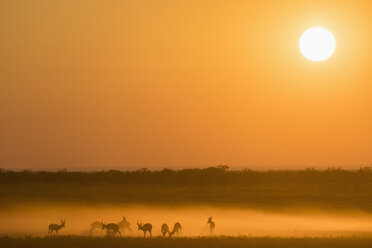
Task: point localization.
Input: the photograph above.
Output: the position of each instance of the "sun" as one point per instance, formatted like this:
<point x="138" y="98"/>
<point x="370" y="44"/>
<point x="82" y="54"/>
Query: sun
<point x="317" y="44"/>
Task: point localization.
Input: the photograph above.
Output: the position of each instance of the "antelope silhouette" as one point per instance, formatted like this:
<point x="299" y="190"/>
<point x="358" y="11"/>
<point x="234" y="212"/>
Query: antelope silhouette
<point x="111" y="227"/>
<point x="95" y="225"/>
<point x="211" y="224"/>
<point x="177" y="230"/>
<point x="165" y="229"/>
<point x="145" y="228"/>
<point x="56" y="227"/>
<point x="124" y="224"/>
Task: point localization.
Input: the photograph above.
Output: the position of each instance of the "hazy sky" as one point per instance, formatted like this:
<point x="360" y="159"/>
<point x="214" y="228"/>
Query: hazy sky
<point x="87" y="84"/>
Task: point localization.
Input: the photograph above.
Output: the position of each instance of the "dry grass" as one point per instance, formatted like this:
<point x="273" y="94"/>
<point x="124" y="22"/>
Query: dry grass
<point x="251" y="242"/>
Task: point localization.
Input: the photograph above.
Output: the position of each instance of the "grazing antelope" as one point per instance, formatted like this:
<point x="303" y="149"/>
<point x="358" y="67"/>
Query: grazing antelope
<point x="56" y="227"/>
<point x="177" y="230"/>
<point x="111" y="227"/>
<point x="95" y="225"/>
<point x="211" y="224"/>
<point x="165" y="229"/>
<point x="124" y="224"/>
<point x="145" y="228"/>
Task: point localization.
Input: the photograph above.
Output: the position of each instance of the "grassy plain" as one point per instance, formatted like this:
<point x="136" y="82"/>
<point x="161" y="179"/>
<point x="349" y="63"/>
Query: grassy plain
<point x="333" y="189"/>
<point x="251" y="242"/>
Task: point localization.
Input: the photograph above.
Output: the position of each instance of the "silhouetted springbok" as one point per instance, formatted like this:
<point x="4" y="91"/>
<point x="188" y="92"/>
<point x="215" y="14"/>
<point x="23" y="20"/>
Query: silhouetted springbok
<point x="95" y="225"/>
<point x="211" y="224"/>
<point x="177" y="230"/>
<point x="56" y="227"/>
<point x="111" y="227"/>
<point x="165" y="229"/>
<point x="124" y="224"/>
<point x="145" y="228"/>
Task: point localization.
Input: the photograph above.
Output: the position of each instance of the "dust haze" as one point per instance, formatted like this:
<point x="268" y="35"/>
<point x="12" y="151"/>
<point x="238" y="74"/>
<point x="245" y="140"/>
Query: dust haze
<point x="33" y="220"/>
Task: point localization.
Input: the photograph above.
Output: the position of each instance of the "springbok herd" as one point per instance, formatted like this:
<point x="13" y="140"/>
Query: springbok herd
<point x="113" y="229"/>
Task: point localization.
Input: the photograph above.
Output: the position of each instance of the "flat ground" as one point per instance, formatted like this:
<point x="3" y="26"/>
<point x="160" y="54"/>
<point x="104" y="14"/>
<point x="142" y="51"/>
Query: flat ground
<point x="251" y="242"/>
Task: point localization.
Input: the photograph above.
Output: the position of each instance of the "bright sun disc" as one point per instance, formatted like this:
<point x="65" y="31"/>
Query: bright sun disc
<point x="317" y="44"/>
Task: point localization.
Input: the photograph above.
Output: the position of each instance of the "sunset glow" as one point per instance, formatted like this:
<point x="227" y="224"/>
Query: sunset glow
<point x="185" y="123"/>
<point x="132" y="84"/>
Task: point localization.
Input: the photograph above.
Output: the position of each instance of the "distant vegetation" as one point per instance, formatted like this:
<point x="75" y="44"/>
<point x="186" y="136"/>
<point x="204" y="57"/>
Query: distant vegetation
<point x="333" y="187"/>
<point x="212" y="176"/>
<point x="251" y="242"/>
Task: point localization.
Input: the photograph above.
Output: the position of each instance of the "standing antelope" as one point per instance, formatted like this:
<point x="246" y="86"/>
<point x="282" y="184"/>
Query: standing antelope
<point x="165" y="229"/>
<point x="211" y="224"/>
<point x="56" y="227"/>
<point x="124" y="224"/>
<point x="145" y="228"/>
<point x="111" y="227"/>
<point x="177" y="229"/>
<point x="95" y="225"/>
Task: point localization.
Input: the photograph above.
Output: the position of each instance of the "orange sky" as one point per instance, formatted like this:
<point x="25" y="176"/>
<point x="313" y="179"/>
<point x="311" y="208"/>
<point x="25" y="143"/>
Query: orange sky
<point x="108" y="84"/>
